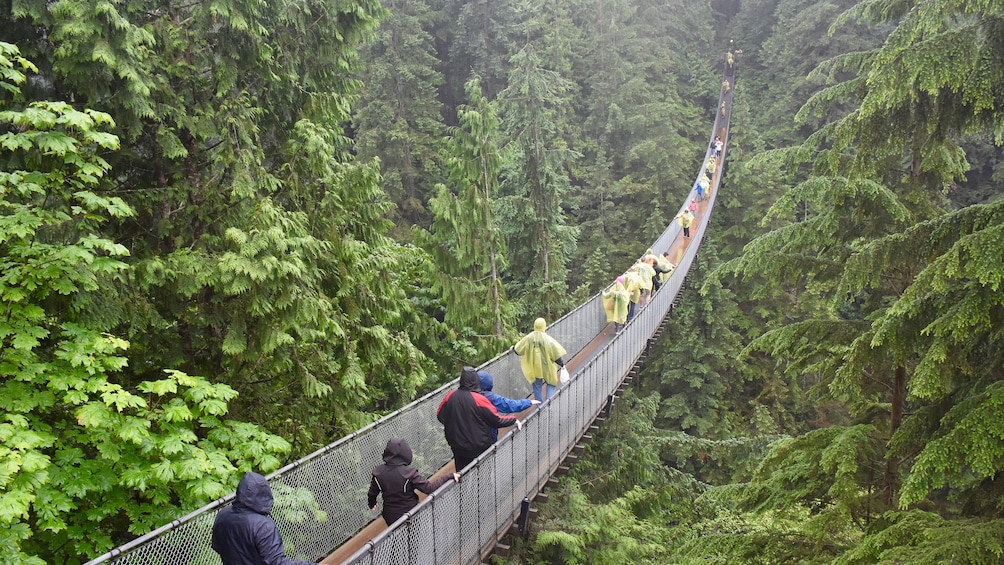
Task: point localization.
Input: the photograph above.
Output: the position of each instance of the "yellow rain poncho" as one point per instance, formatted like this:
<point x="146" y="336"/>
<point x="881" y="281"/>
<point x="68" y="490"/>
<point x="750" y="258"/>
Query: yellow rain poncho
<point x="686" y="218"/>
<point x="632" y="283"/>
<point x="665" y="266"/>
<point x="538" y="353"/>
<point x="705" y="182"/>
<point x="646" y="273"/>
<point x="615" y="302"/>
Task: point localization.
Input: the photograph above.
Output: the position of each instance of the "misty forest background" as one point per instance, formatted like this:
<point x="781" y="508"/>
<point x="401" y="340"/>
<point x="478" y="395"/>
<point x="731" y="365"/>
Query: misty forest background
<point x="235" y="231"/>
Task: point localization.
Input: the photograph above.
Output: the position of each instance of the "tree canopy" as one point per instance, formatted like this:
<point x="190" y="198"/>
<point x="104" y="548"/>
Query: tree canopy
<point x="232" y="233"/>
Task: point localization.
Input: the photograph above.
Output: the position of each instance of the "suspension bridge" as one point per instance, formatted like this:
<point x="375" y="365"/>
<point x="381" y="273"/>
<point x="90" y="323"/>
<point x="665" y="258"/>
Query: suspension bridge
<point x="320" y="500"/>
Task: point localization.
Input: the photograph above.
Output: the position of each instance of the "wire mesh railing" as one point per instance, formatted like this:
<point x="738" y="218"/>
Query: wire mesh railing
<point x="320" y="500"/>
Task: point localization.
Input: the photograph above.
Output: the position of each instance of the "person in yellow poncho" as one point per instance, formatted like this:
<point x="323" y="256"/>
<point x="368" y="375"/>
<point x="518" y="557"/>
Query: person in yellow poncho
<point x="615" y="303"/>
<point x="665" y="267"/>
<point x="685" y="218"/>
<point x="541" y="356"/>
<point x="645" y="273"/>
<point x="702" y="187"/>
<point x="660" y="268"/>
<point x="632" y="283"/>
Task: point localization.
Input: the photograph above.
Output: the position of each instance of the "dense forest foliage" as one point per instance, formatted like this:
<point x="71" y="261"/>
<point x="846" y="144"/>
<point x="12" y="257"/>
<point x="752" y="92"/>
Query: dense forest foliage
<point x="233" y="232"/>
<point x="829" y="390"/>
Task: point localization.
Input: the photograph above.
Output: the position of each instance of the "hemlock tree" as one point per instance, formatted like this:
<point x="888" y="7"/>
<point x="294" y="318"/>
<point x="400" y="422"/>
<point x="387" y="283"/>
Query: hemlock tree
<point x="640" y="125"/>
<point x="481" y="41"/>
<point x="531" y="214"/>
<point x="89" y="456"/>
<point x="398" y="117"/>
<point x="465" y="242"/>
<point x="913" y="339"/>
<point x="258" y="241"/>
<point x="694" y="367"/>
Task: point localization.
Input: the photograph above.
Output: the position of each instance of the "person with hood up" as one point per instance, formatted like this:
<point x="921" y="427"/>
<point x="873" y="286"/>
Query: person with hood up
<point x="615" y="303"/>
<point x="646" y="272"/>
<point x="702" y="187"/>
<point x="398" y="481"/>
<point x="661" y="268"/>
<point x="665" y="267"/>
<point x="632" y="283"/>
<point x="502" y="404"/>
<point x="686" y="218"/>
<point x="244" y="534"/>
<point x="468" y="418"/>
<point x="540" y="358"/>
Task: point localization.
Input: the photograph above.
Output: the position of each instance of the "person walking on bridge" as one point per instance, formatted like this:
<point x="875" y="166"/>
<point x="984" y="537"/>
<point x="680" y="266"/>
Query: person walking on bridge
<point x="244" y="534"/>
<point x="541" y="356"/>
<point x="646" y="272"/>
<point x="398" y="481"/>
<point x="661" y="269"/>
<point x="468" y="418"/>
<point x="615" y="303"/>
<point x="501" y="403"/>
<point x="686" y="218"/>
<point x="702" y="187"/>
<point x="632" y="283"/>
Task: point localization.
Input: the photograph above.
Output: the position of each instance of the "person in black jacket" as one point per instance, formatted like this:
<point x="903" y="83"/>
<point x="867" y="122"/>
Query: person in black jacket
<point x="398" y="482"/>
<point x="468" y="418"/>
<point x="243" y="533"/>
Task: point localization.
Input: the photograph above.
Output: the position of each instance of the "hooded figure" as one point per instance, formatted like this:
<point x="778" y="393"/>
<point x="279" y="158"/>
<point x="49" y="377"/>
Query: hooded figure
<point x="702" y="186"/>
<point x="685" y="218"/>
<point x="468" y="418"/>
<point x="502" y="404"/>
<point x="398" y="482"/>
<point x="661" y="268"/>
<point x="646" y="272"/>
<point x="665" y="267"/>
<point x="541" y="356"/>
<point x="243" y="533"/>
<point x="615" y="302"/>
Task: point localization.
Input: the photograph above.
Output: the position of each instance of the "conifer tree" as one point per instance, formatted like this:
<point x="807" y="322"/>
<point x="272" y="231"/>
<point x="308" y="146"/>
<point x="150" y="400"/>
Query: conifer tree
<point x="398" y="117"/>
<point x="465" y="242"/>
<point x="535" y="187"/>
<point x="912" y="290"/>
<point x="481" y="41"/>
<point x="254" y="225"/>
<point x="695" y="366"/>
<point x="639" y="132"/>
<point x="89" y="457"/>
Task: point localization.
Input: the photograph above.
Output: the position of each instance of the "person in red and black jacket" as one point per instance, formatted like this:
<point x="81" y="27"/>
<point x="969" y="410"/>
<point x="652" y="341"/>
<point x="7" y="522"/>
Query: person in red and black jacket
<point x="468" y="418"/>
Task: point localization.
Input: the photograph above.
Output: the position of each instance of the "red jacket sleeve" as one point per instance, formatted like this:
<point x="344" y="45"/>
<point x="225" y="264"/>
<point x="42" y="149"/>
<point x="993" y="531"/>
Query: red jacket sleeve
<point x="490" y="414"/>
<point x="442" y="402"/>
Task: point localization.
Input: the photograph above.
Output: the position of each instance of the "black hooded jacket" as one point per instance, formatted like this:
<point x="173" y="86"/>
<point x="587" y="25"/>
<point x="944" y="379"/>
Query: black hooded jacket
<point x="468" y="417"/>
<point x="398" y="482"/>
<point x="243" y="533"/>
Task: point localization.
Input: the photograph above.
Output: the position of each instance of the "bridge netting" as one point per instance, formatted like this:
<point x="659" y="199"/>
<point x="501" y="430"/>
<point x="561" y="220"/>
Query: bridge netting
<point x="321" y="499"/>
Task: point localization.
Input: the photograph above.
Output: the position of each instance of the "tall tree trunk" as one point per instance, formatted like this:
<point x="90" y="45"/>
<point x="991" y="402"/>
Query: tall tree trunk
<point x="497" y="307"/>
<point x="891" y="480"/>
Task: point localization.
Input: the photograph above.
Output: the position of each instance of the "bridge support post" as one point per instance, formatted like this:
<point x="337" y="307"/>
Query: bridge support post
<point x="524" y="516"/>
<point x="606" y="409"/>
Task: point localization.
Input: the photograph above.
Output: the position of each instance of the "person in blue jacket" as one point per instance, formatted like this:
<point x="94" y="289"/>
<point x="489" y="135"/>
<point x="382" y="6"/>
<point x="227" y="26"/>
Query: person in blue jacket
<point x="502" y="404"/>
<point x="244" y="534"/>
